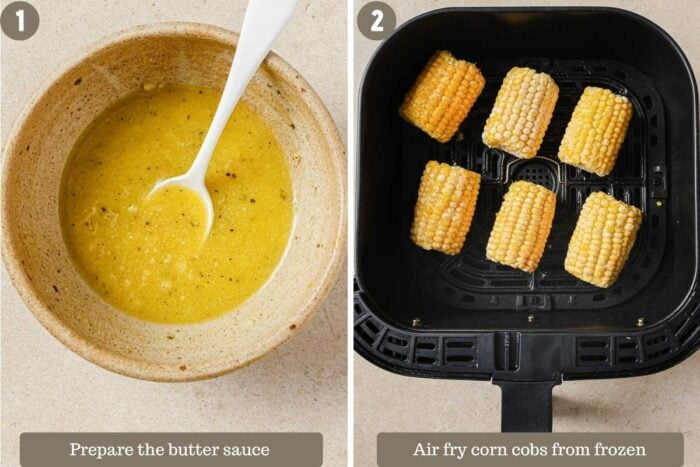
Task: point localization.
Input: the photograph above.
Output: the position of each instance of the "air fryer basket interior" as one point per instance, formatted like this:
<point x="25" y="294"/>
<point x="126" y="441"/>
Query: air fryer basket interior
<point x="656" y="171"/>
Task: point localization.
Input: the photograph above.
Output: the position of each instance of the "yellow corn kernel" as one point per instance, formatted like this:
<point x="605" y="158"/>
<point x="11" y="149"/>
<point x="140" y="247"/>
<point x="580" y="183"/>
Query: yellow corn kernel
<point x="602" y="240"/>
<point x="522" y="112"/>
<point x="595" y="133"/>
<point x="442" y="95"/>
<point x="445" y="207"/>
<point x="522" y="226"/>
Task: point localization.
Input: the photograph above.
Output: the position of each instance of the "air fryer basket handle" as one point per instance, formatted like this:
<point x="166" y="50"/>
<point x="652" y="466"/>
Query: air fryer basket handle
<point x="526" y="406"/>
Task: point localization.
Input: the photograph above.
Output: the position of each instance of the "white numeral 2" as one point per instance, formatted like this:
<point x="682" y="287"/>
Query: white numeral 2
<point x="377" y="25"/>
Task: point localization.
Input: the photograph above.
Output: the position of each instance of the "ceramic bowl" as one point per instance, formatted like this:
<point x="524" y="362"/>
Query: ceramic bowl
<point x="35" y="254"/>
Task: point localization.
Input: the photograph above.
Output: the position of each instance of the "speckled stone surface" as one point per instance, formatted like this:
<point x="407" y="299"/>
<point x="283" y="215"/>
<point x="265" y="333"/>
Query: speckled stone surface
<point x="45" y="387"/>
<point x="666" y="401"/>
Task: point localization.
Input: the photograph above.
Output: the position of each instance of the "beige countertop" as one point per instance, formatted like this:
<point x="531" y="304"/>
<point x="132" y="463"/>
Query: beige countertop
<point x="666" y="401"/>
<point x="299" y="387"/>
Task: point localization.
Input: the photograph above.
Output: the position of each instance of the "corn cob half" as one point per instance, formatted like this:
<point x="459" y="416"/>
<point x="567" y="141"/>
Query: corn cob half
<point x="445" y="207"/>
<point x="522" y="226"/>
<point x="522" y="112"/>
<point x="442" y="95"/>
<point x="595" y="133"/>
<point x="602" y="240"/>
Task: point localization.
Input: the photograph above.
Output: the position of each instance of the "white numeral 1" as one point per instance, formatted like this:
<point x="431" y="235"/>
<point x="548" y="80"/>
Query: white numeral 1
<point x="377" y="25"/>
<point x="20" y="15"/>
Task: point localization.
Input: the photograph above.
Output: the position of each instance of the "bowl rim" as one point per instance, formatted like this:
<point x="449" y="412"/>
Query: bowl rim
<point x="112" y="360"/>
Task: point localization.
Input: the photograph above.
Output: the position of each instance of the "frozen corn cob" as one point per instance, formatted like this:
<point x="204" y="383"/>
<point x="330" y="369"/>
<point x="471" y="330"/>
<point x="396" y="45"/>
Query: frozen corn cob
<point x="522" y="226"/>
<point x="522" y="112"/>
<point x="596" y="131"/>
<point x="442" y="95"/>
<point x="445" y="207"/>
<point x="602" y="240"/>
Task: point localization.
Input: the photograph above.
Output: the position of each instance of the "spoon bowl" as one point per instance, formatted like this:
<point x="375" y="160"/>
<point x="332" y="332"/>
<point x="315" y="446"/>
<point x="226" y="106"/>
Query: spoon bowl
<point x="196" y="185"/>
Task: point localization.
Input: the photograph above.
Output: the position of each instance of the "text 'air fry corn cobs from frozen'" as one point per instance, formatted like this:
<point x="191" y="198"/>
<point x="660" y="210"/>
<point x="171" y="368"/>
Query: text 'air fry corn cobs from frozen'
<point x="522" y="112"/>
<point x="602" y="240"/>
<point x="442" y="95"/>
<point x="595" y="133"/>
<point x="522" y="226"/>
<point x="445" y="207"/>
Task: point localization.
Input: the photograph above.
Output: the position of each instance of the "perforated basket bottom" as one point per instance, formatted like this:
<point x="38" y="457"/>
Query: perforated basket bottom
<point x="639" y="178"/>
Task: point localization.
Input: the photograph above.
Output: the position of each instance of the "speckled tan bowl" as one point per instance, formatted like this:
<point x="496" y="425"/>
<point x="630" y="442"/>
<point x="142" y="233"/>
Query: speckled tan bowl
<point x="36" y="256"/>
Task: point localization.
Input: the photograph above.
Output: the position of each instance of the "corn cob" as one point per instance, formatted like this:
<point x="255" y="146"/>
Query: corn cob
<point x="602" y="240"/>
<point x="522" y="112"/>
<point x="596" y="131"/>
<point x="442" y="95"/>
<point x="445" y="207"/>
<point x="522" y="226"/>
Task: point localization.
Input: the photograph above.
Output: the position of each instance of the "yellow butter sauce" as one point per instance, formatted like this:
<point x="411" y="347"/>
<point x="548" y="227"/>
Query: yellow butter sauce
<point x="145" y="255"/>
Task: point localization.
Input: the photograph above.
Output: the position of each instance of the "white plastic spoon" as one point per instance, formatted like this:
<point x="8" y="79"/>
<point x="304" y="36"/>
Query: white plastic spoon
<point x="263" y="22"/>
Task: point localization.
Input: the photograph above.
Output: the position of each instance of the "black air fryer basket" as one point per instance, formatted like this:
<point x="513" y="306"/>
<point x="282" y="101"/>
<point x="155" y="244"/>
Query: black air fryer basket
<point x="422" y="313"/>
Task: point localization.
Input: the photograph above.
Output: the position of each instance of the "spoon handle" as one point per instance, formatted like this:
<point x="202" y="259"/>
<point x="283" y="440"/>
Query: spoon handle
<point x="263" y="22"/>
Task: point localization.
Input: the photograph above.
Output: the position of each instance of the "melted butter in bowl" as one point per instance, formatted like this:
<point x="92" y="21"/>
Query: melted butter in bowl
<point x="284" y="149"/>
<point x="145" y="255"/>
